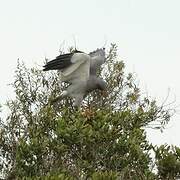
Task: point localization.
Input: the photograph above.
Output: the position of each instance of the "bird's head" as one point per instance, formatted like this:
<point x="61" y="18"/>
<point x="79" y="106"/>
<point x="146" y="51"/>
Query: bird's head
<point x="98" y="55"/>
<point x="98" y="52"/>
<point x="101" y="52"/>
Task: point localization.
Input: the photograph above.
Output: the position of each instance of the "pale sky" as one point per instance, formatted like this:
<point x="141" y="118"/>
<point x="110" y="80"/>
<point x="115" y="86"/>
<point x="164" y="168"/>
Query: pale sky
<point x="147" y="33"/>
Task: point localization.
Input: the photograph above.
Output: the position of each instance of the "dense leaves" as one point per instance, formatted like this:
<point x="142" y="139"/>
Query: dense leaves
<point x="105" y="139"/>
<point x="168" y="161"/>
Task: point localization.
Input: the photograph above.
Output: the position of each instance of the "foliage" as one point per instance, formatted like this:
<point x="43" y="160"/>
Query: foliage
<point x="168" y="161"/>
<point x="105" y="139"/>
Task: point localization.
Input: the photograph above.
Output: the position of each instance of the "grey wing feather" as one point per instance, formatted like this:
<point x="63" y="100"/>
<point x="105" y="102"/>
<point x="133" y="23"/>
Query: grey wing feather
<point x="79" y="70"/>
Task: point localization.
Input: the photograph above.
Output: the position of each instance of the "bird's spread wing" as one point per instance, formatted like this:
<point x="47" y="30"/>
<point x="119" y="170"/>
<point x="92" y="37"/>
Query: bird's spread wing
<point x="73" y="66"/>
<point x="60" y="62"/>
<point x="79" y="68"/>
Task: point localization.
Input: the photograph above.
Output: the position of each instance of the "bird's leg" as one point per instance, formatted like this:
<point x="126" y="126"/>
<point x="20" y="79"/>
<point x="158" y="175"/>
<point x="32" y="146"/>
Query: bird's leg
<point x="64" y="94"/>
<point x="78" y="100"/>
<point x="58" y="98"/>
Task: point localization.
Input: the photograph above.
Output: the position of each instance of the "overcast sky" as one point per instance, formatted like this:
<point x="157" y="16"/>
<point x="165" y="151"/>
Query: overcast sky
<point x="147" y="33"/>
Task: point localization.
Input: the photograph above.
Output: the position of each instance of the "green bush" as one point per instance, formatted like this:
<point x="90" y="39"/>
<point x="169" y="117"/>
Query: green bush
<point x="105" y="139"/>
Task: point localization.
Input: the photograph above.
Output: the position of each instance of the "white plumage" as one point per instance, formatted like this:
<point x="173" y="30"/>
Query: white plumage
<point x="79" y="70"/>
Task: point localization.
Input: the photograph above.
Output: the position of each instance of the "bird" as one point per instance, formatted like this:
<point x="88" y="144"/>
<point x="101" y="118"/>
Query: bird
<point x="79" y="69"/>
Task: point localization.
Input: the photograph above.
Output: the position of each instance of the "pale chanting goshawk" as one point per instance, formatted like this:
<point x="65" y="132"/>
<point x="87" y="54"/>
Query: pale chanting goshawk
<point x="80" y="71"/>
